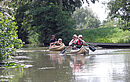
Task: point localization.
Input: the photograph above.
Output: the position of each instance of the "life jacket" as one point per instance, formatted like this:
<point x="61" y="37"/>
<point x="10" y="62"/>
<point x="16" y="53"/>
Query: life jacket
<point x="79" y="43"/>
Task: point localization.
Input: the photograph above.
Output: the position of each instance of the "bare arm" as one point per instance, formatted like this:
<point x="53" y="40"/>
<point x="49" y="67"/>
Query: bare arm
<point x="70" y="43"/>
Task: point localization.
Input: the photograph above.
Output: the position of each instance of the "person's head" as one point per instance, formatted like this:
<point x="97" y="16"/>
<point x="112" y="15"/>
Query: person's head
<point x="74" y="36"/>
<point x="80" y="36"/>
<point x="60" y="40"/>
<point x="52" y="36"/>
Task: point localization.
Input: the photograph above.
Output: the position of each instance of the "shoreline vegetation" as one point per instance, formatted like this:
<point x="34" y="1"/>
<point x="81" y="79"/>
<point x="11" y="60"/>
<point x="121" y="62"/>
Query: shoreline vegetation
<point x="106" y="35"/>
<point x="102" y="35"/>
<point x="9" y="41"/>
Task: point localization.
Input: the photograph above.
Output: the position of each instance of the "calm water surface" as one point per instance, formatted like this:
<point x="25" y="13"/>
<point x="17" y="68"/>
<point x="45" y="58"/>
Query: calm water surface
<point x="104" y="65"/>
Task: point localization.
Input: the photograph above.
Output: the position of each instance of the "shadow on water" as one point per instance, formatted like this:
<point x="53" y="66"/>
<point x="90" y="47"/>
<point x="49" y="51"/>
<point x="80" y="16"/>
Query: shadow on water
<point x="40" y="65"/>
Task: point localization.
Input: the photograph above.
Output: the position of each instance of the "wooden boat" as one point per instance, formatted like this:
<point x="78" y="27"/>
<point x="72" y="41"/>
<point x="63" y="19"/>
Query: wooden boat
<point x="82" y="50"/>
<point x="57" y="48"/>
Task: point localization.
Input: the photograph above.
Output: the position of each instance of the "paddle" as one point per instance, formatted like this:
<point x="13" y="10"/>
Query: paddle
<point x="91" y="47"/>
<point x="63" y="51"/>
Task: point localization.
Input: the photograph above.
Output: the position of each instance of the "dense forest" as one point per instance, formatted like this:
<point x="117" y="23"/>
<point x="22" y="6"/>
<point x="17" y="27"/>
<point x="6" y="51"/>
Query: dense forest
<point x="34" y="21"/>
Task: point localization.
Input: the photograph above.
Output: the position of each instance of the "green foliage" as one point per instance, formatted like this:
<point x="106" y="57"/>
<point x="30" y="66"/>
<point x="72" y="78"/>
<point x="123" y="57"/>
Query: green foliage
<point x="110" y="23"/>
<point x="85" y="18"/>
<point x="38" y="22"/>
<point x="120" y="9"/>
<point x="48" y="20"/>
<point x="91" y="22"/>
<point x="64" y="5"/>
<point x="69" y="5"/>
<point x="13" y="65"/>
<point x="8" y="36"/>
<point x="38" y="19"/>
<point x="106" y="35"/>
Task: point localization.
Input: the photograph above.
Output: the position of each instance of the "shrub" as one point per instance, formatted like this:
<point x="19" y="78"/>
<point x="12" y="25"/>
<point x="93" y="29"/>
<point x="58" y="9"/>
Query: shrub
<point x="8" y="36"/>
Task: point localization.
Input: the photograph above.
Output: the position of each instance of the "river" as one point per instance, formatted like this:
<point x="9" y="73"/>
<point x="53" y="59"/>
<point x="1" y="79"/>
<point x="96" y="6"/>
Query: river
<point x="103" y="65"/>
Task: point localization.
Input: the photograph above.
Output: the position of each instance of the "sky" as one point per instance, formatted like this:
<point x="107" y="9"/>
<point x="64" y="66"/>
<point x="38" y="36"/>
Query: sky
<point x="99" y="9"/>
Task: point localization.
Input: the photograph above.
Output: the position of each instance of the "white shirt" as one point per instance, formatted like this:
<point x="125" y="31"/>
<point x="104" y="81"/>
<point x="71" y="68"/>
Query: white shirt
<point x="72" y="41"/>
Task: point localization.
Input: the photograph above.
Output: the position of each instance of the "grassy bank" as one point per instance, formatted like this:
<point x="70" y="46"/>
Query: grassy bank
<point x="106" y="35"/>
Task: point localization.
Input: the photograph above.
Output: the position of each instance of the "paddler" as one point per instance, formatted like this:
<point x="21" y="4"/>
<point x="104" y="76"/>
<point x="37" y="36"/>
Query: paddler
<point x="73" y="41"/>
<point x="80" y="42"/>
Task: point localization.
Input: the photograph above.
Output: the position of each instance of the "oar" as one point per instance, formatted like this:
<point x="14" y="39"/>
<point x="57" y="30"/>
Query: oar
<point x="91" y="47"/>
<point x="63" y="51"/>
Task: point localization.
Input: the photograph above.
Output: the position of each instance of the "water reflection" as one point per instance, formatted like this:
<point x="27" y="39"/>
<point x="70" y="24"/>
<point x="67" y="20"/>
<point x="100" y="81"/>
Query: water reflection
<point x="47" y="68"/>
<point x="77" y="62"/>
<point x="56" y="59"/>
<point x="39" y="66"/>
<point x="11" y="75"/>
<point x="105" y="68"/>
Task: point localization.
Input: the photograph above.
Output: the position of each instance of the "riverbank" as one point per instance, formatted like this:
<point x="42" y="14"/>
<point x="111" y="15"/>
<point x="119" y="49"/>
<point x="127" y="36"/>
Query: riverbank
<point x="106" y="35"/>
<point x="111" y="45"/>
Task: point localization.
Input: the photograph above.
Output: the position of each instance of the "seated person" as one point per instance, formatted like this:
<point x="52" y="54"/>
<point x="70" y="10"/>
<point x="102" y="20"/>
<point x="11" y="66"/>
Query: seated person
<point x="53" y="40"/>
<point x="59" y="42"/>
<point x="73" y="41"/>
<point x="80" y="41"/>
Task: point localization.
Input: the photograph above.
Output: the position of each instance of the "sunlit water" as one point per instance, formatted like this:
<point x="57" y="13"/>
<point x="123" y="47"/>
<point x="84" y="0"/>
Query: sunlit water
<point x="104" y="65"/>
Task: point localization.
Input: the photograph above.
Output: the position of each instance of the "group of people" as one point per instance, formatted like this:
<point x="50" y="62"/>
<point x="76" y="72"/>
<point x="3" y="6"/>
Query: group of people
<point x="54" y="41"/>
<point x="76" y="42"/>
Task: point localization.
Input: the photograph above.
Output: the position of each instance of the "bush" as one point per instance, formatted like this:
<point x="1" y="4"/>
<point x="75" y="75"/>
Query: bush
<point x="8" y="36"/>
<point x="106" y="35"/>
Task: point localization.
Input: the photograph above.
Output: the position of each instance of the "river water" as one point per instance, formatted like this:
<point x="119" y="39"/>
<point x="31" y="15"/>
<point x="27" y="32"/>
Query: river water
<point x="103" y="65"/>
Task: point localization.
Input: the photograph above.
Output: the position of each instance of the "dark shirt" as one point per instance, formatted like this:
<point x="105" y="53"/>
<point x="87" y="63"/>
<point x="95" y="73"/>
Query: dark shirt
<point x="51" y="41"/>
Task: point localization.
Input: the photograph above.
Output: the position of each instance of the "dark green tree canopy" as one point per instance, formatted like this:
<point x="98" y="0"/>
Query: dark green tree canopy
<point x="48" y="20"/>
<point x="65" y="5"/>
<point x="38" y="19"/>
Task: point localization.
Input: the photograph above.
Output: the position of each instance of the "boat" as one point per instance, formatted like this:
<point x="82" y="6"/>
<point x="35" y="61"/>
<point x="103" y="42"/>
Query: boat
<point x="57" y="48"/>
<point x="82" y="50"/>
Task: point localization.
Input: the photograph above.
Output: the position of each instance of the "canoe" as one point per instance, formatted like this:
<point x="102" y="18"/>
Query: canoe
<point x="82" y="50"/>
<point x="57" y="48"/>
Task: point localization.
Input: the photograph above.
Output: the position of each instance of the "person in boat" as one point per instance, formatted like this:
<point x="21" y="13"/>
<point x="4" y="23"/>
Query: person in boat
<point x="52" y="40"/>
<point x="59" y="42"/>
<point x="73" y="41"/>
<point x="80" y="42"/>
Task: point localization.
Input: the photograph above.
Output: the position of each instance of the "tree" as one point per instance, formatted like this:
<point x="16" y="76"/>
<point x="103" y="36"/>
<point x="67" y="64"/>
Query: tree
<point x="35" y="18"/>
<point x="120" y="9"/>
<point x="48" y="20"/>
<point x="85" y="18"/>
<point x="38" y="21"/>
<point x="92" y="22"/>
<point x="65" y="5"/>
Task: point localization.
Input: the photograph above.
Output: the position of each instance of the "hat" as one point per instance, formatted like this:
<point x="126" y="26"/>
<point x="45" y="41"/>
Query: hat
<point x="80" y="36"/>
<point x="74" y="35"/>
<point x="60" y="39"/>
<point x="52" y="35"/>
